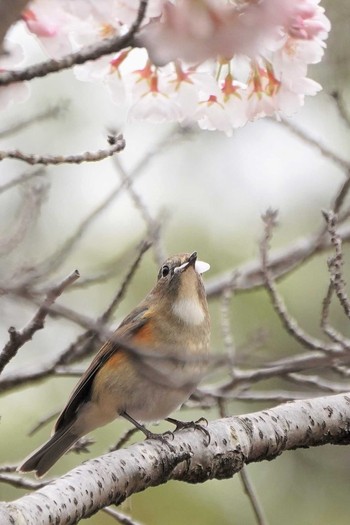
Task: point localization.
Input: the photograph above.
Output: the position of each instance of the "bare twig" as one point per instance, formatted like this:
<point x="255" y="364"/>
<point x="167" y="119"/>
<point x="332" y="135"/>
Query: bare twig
<point x="247" y="484"/>
<point x="333" y="334"/>
<point x="53" y="262"/>
<point x="120" y="517"/>
<point x="86" y="343"/>
<point x="144" y="246"/>
<point x="117" y="144"/>
<point x="288" y="322"/>
<point x="336" y="262"/>
<point x="19" y="338"/>
<point x="153" y="226"/>
<point x="43" y="422"/>
<point x="92" y="52"/>
<point x="33" y="197"/>
<point x="253" y="497"/>
<point x="281" y="262"/>
<point x="226" y="330"/>
<point x="339" y="100"/>
<point x="20" y="482"/>
<point x="26" y="177"/>
<point x="48" y="113"/>
<point x="341" y="195"/>
<point x="311" y="141"/>
<point x="322" y="385"/>
<point x="124" y="439"/>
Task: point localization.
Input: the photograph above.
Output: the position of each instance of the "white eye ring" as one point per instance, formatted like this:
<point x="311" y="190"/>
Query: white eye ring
<point x="201" y="266"/>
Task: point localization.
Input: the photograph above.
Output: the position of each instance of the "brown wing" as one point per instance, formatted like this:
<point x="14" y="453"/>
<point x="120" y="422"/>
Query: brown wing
<point x="82" y="392"/>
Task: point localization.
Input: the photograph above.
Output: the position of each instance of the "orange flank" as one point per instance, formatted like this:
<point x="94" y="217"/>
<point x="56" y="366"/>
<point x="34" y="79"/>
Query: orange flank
<point x="144" y="335"/>
<point x="116" y="360"/>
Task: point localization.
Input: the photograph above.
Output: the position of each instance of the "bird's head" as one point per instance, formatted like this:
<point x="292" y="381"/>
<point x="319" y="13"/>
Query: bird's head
<point x="181" y="290"/>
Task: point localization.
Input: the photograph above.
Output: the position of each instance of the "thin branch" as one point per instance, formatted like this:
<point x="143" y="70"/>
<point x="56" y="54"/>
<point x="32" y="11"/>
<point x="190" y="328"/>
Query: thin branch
<point x="33" y="198"/>
<point x="43" y="422"/>
<point x="253" y="497"/>
<point x="51" y="112"/>
<point x="288" y="322"/>
<point x="153" y="226"/>
<point x="92" y="52"/>
<point x="336" y="263"/>
<point x="245" y="478"/>
<point x="86" y="343"/>
<point x="143" y="248"/>
<point x="22" y="483"/>
<point x="117" y="144"/>
<point x="26" y="177"/>
<point x="311" y="141"/>
<point x="124" y="439"/>
<point x="120" y="517"/>
<point x="281" y="262"/>
<point x="314" y="381"/>
<point x="19" y="338"/>
<point x="53" y="262"/>
<point x="226" y="330"/>
<point x="333" y="334"/>
<point x="341" y="106"/>
<point x="341" y="195"/>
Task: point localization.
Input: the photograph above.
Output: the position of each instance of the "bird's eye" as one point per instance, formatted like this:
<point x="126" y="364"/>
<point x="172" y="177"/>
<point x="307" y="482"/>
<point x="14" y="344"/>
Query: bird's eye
<point x="165" y="270"/>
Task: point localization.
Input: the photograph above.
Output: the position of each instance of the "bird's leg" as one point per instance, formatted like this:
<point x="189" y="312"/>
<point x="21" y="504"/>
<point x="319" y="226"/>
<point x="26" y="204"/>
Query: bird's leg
<point x="195" y="425"/>
<point x="148" y="433"/>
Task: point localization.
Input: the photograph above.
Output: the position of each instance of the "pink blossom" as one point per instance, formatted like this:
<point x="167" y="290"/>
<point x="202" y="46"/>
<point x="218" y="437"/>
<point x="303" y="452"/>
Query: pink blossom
<point x="307" y="21"/>
<point x="155" y="107"/>
<point x="212" y="115"/>
<point x="215" y="62"/>
<point x="151" y="102"/>
<point x="50" y="22"/>
<point x="198" y="30"/>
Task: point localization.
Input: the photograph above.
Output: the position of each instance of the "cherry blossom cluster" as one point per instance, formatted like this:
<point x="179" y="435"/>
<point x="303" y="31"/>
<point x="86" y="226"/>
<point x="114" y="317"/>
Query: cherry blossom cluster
<point x="219" y="63"/>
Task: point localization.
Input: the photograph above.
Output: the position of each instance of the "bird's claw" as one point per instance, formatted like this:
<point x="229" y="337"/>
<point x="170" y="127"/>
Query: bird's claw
<point x="162" y="438"/>
<point x="194" y="425"/>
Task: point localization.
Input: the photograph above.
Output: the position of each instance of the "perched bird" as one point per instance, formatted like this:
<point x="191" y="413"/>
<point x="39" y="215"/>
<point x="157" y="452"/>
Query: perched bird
<point x="166" y="343"/>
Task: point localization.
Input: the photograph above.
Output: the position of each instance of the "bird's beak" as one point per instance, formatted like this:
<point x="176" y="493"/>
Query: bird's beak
<point x="199" y="266"/>
<point x="192" y="259"/>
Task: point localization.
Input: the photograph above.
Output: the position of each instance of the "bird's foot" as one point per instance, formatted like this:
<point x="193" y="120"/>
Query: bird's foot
<point x="148" y="433"/>
<point x="194" y="425"/>
<point x="163" y="438"/>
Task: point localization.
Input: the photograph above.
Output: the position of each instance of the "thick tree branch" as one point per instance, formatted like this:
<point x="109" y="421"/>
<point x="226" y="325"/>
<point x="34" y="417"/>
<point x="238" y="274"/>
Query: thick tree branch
<point x="235" y="441"/>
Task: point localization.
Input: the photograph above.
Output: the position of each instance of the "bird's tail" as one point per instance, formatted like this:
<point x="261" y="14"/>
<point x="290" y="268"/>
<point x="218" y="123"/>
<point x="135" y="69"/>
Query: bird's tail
<point x="43" y="458"/>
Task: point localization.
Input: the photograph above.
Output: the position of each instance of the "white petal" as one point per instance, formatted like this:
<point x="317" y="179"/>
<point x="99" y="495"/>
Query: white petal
<point x="180" y="268"/>
<point x="201" y="266"/>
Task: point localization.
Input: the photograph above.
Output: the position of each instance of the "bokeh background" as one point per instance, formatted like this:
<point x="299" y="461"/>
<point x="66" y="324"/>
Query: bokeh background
<point x="212" y="190"/>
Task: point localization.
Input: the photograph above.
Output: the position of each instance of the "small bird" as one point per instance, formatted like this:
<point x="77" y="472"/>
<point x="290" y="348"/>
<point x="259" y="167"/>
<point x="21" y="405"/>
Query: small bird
<point x="163" y="360"/>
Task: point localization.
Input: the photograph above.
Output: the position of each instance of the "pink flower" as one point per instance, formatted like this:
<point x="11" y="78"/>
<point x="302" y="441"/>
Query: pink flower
<point x="307" y="21"/>
<point x="197" y="30"/>
<point x="212" y="115"/>
<point x="152" y="103"/>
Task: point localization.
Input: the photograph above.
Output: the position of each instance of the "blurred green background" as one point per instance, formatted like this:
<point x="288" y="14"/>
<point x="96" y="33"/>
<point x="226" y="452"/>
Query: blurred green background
<point x="214" y="190"/>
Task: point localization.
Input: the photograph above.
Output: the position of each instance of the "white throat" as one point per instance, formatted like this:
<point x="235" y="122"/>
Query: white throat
<point x="190" y="311"/>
